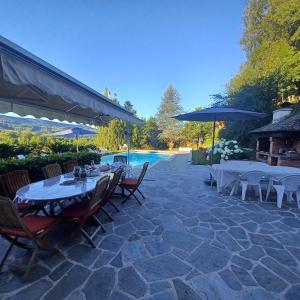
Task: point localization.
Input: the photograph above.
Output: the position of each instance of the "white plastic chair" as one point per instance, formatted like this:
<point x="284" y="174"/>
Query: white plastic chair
<point x="213" y="175"/>
<point x="233" y="180"/>
<point x="288" y="185"/>
<point x="252" y="178"/>
<point x="234" y="183"/>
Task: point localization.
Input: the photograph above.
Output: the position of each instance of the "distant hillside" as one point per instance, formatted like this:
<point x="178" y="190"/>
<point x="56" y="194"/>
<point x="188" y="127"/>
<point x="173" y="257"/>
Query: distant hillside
<point x="36" y="125"/>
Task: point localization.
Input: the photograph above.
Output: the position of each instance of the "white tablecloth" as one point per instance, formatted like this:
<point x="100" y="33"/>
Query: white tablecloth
<point x="227" y="172"/>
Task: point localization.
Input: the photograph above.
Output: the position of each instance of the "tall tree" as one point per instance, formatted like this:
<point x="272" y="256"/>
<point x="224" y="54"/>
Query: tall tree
<point x="129" y="106"/>
<point x="150" y="137"/>
<point x="112" y="136"/>
<point x="271" y="73"/>
<point x="272" y="42"/>
<point x="136" y="136"/>
<point x="169" y="127"/>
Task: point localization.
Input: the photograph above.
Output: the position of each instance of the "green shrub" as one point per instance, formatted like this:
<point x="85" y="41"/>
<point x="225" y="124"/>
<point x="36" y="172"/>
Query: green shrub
<point x="6" y="150"/>
<point x="199" y="157"/>
<point x="34" y="164"/>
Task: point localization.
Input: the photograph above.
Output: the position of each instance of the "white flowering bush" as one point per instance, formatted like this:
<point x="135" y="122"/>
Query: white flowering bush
<point x="225" y="150"/>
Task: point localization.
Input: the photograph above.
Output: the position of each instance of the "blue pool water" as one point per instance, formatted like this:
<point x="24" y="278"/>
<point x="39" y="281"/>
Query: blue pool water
<point x="138" y="159"/>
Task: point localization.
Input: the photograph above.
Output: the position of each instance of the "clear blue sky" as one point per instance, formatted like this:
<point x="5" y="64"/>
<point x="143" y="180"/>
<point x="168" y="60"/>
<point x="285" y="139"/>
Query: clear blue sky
<point x="136" y="48"/>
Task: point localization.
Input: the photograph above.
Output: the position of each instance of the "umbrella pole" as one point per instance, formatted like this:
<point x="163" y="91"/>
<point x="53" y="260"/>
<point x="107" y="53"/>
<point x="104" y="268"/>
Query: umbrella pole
<point x="77" y="144"/>
<point x="128" y="151"/>
<point x="128" y="144"/>
<point x="213" y="143"/>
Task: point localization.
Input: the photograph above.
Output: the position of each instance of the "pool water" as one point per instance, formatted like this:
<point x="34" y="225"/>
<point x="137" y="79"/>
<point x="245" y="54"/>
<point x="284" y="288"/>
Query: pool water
<point x="138" y="159"/>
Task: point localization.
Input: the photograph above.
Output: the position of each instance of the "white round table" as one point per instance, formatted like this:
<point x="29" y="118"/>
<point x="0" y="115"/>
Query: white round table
<point x="227" y="172"/>
<point x="52" y="190"/>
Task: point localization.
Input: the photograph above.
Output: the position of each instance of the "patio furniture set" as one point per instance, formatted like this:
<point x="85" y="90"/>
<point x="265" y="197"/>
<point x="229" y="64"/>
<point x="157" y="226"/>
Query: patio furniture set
<point x="40" y="206"/>
<point x="245" y="174"/>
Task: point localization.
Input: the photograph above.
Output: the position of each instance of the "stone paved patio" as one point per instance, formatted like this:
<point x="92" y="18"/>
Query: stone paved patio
<point x="185" y="242"/>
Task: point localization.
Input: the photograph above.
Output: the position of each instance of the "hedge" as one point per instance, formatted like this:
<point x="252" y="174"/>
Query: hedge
<point x="199" y="157"/>
<point x="34" y="164"/>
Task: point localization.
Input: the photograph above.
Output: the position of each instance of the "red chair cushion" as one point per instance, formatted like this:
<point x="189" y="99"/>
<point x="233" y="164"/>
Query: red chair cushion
<point x="25" y="206"/>
<point x="129" y="181"/>
<point x="35" y="224"/>
<point x="79" y="211"/>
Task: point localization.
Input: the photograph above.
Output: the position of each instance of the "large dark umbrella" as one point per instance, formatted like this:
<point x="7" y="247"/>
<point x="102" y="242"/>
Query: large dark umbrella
<point x="214" y="114"/>
<point x="74" y="132"/>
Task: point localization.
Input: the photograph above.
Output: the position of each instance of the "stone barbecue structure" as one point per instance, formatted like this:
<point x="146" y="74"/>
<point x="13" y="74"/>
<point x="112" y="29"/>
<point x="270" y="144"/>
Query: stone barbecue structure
<point x="278" y="143"/>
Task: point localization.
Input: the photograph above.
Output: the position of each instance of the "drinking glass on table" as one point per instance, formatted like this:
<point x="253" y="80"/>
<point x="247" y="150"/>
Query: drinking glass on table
<point x="93" y="167"/>
<point x="83" y="172"/>
<point x="76" y="171"/>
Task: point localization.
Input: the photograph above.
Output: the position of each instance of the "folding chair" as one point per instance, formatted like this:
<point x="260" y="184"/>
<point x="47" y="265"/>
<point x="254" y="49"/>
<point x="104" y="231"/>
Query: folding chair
<point x="120" y="158"/>
<point x="11" y="182"/>
<point x="33" y="227"/>
<point x="132" y="185"/>
<point x="68" y="166"/>
<point x="81" y="212"/>
<point x="51" y="170"/>
<point x="114" y="182"/>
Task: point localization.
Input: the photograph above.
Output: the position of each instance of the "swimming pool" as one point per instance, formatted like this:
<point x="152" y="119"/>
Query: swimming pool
<point x="139" y="158"/>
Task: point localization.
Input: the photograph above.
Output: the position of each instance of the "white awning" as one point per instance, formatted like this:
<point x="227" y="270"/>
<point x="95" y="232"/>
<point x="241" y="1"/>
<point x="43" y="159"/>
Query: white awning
<point x="31" y="86"/>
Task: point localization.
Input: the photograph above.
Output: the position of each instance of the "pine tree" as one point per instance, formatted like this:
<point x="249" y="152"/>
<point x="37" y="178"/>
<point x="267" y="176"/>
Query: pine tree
<point x="169" y="107"/>
<point x="150" y="136"/>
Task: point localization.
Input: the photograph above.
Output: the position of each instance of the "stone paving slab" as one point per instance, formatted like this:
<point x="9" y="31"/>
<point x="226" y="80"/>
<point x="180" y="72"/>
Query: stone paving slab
<point x="185" y="242"/>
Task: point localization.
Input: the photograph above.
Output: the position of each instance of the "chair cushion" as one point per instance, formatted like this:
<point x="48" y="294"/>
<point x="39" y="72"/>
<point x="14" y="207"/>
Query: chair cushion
<point x="129" y="181"/>
<point x="26" y="206"/>
<point x="78" y="211"/>
<point x="35" y="224"/>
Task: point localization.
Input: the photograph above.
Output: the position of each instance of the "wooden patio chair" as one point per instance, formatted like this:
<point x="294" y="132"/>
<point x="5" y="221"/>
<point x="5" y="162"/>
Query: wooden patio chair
<point x="87" y="209"/>
<point x="68" y="166"/>
<point x="51" y="170"/>
<point x="32" y="227"/>
<point x="120" y="158"/>
<point x="132" y="185"/>
<point x="11" y="182"/>
<point x="113" y="183"/>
